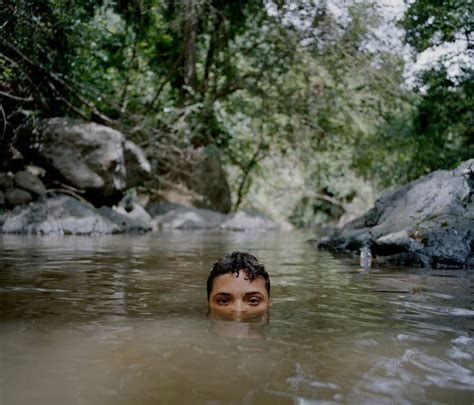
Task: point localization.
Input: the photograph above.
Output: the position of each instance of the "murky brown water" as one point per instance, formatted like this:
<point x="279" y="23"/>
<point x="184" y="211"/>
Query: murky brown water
<point x="122" y="320"/>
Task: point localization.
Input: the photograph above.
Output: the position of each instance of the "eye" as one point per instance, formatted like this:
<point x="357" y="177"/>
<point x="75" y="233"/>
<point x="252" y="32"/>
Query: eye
<point x="222" y="301"/>
<point x="254" y="301"/>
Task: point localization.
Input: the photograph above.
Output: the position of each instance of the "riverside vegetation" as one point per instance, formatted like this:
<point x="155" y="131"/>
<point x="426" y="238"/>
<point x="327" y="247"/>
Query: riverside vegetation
<point x="297" y="109"/>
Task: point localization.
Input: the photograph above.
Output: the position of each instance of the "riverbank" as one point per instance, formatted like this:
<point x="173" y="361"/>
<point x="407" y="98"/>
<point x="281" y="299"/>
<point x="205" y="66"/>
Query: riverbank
<point x="426" y="223"/>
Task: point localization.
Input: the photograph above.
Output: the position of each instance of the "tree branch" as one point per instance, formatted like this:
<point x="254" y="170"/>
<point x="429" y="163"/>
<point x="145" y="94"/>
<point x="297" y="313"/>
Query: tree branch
<point x="162" y="85"/>
<point x="18" y="98"/>
<point x="211" y="51"/>
<point x="233" y="86"/>
<point x="246" y="172"/>
<point x="50" y="78"/>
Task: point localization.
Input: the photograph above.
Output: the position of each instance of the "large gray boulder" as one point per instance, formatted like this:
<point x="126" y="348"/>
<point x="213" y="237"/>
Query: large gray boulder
<point x="58" y="215"/>
<point x="195" y="177"/>
<point x="428" y="222"/>
<point x="209" y="180"/>
<point x="86" y="155"/>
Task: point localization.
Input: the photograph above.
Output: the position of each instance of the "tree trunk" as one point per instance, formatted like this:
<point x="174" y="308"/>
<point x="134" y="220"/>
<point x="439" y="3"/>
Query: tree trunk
<point x="190" y="21"/>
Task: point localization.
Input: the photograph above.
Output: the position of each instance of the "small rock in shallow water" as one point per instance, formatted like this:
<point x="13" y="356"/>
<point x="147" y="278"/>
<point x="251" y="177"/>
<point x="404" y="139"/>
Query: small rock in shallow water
<point x="135" y="220"/>
<point x="365" y="257"/>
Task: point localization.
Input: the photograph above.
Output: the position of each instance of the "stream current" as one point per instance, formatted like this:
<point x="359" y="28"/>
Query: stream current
<point x="123" y="320"/>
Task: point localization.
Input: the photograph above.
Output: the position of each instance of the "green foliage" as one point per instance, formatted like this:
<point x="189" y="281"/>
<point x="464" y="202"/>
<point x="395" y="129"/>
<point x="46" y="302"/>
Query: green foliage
<point x="442" y="130"/>
<point x="429" y="23"/>
<point x="432" y="129"/>
<point x="322" y="120"/>
<point x="443" y="125"/>
<point x="304" y="115"/>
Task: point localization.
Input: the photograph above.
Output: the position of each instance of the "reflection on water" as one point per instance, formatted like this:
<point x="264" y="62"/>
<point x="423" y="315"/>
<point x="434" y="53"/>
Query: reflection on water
<point x="250" y="327"/>
<point x="124" y="320"/>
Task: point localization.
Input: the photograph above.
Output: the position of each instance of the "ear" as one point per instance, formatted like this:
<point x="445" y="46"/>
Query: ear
<point x="270" y="302"/>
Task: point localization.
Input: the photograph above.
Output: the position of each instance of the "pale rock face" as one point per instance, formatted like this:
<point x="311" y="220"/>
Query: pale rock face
<point x="249" y="221"/>
<point x="134" y="219"/>
<point x="180" y="217"/>
<point x="173" y="216"/>
<point x="138" y="166"/>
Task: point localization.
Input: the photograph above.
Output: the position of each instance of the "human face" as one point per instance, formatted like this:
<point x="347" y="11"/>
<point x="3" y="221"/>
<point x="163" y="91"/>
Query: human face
<point x="234" y="296"/>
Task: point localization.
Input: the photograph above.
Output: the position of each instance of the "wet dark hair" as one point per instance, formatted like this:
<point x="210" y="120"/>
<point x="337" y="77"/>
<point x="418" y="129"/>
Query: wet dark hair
<point x="234" y="263"/>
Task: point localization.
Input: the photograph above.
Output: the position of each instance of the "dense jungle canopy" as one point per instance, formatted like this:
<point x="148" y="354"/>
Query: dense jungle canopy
<point x="308" y="103"/>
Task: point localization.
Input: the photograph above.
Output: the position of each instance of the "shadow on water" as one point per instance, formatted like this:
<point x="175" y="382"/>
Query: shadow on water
<point x="123" y="319"/>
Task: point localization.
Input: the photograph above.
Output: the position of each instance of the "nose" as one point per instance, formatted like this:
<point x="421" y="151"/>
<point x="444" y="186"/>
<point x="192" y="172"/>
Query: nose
<point x="239" y="307"/>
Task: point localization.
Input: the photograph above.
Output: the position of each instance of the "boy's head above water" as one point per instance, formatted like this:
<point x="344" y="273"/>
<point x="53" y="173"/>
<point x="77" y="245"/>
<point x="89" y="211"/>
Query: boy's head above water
<point x="238" y="287"/>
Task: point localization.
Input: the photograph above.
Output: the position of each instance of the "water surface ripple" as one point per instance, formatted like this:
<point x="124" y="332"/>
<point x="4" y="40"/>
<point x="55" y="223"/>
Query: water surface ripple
<point x="122" y="320"/>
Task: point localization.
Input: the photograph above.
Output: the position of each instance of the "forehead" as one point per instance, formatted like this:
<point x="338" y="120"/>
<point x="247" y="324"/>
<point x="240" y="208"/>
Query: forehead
<point x="238" y="284"/>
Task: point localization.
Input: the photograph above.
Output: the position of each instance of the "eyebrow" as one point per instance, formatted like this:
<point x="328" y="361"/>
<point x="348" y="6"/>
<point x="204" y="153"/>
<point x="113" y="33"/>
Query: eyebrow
<point x="246" y="294"/>
<point x="253" y="293"/>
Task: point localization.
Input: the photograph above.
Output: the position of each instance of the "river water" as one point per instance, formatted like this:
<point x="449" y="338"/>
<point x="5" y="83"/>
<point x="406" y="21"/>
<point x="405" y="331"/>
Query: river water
<point x="122" y="320"/>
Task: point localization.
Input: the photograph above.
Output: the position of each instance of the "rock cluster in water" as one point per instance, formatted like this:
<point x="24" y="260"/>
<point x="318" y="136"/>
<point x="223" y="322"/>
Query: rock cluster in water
<point x="78" y="166"/>
<point x="428" y="223"/>
<point x="63" y="214"/>
<point x="174" y="216"/>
